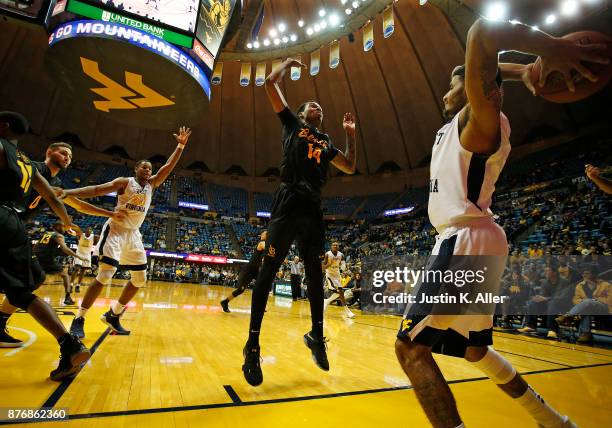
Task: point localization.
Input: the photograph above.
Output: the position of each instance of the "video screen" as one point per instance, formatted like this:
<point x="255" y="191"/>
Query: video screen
<point x="213" y="20"/>
<point x="26" y="8"/>
<point x="181" y="14"/>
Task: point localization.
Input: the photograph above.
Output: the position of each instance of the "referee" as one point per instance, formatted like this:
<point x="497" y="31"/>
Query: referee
<point x="297" y="269"/>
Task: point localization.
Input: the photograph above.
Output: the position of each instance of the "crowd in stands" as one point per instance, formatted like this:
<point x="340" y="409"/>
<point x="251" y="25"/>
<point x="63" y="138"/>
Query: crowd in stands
<point x="180" y="271"/>
<point x="202" y="238"/>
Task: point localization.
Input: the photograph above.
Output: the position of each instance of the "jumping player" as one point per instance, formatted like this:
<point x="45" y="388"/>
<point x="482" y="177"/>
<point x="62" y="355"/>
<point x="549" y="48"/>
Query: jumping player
<point x="50" y="246"/>
<point x="248" y="273"/>
<point x="16" y="277"/>
<point x="83" y="260"/>
<point x="468" y="156"/>
<point x="332" y="264"/>
<point x="121" y="242"/>
<point x="296" y="213"/>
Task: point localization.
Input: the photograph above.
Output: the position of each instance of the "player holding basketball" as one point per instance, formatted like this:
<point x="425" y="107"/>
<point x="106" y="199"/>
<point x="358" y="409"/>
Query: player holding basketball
<point x="296" y="213"/>
<point x="467" y="158"/>
<point x="333" y="262"/>
<point x="83" y="260"/>
<point x="248" y="273"/>
<point x="121" y="242"/>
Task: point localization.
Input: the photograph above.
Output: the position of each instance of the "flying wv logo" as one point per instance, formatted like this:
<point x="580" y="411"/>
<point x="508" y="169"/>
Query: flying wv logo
<point x="115" y="94"/>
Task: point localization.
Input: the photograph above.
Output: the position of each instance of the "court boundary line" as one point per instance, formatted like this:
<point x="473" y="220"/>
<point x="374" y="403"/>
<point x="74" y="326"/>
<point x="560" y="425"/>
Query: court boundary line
<point x="280" y="400"/>
<point x="63" y="386"/>
<point x="233" y="394"/>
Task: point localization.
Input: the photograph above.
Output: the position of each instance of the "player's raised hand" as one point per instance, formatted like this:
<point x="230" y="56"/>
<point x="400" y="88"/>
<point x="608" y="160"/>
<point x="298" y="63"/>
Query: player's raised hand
<point x="348" y="123"/>
<point x="526" y="78"/>
<point x="568" y="56"/>
<point x="592" y="171"/>
<point x="183" y="135"/>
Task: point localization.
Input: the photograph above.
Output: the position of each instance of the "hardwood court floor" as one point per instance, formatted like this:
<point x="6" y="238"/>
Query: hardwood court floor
<point x="181" y="367"/>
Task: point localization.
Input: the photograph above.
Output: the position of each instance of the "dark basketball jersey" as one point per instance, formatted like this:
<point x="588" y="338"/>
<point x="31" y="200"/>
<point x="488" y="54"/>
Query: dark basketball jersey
<point x="48" y="248"/>
<point x="16" y="178"/>
<point x="306" y="155"/>
<point x="255" y="260"/>
<point x="34" y="203"/>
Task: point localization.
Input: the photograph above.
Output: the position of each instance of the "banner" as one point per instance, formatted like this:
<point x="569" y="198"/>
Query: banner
<point x="315" y="62"/>
<point x="245" y="74"/>
<point x="368" y="36"/>
<point x="217" y="73"/>
<point x="260" y="74"/>
<point x="296" y="72"/>
<point x="388" y="22"/>
<point x="334" y="54"/>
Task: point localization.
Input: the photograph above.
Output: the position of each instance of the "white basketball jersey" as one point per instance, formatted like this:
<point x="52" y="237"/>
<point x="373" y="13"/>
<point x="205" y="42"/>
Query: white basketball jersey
<point x="135" y="200"/>
<point x="462" y="183"/>
<point x="334" y="268"/>
<point x="86" y="244"/>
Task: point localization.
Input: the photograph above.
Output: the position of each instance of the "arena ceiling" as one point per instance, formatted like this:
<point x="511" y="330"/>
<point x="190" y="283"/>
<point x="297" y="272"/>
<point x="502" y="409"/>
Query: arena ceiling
<point x="395" y="90"/>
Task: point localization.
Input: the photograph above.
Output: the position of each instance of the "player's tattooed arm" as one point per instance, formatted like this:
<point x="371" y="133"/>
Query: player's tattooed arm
<point x="346" y="161"/>
<point x="117" y="185"/>
<point x="181" y="138"/>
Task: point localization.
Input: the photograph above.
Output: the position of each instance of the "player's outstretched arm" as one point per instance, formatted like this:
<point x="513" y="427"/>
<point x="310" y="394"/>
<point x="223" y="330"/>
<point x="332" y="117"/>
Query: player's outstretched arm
<point x="275" y="95"/>
<point x="486" y="39"/>
<point x="41" y="185"/>
<point x="593" y="173"/>
<point x="346" y="161"/>
<point x="117" y="185"/>
<point x="89" y="209"/>
<point x="182" y="138"/>
<point x="62" y="244"/>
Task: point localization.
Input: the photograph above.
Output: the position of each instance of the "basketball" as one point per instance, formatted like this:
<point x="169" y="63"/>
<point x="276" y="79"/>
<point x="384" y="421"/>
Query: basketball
<point x="556" y="90"/>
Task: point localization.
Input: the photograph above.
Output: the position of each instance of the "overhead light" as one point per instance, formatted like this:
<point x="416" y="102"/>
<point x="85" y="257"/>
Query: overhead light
<point x="249" y="45"/>
<point x="355" y="4"/>
<point x="496" y="11"/>
<point x="309" y="31"/>
<point x="285" y="39"/>
<point x="273" y="32"/>
<point x="334" y="20"/>
<point x="266" y="42"/>
<point x="256" y="45"/>
<point x="550" y="19"/>
<point x="348" y="11"/>
<point x="323" y="25"/>
<point x="422" y="2"/>
<point x="317" y="27"/>
<point x="300" y="23"/>
<point x="277" y="41"/>
<point x="322" y="13"/>
<point x="515" y="21"/>
<point x="282" y="27"/>
<point x="535" y="28"/>
<point x="343" y="1"/>
<point x="569" y="7"/>
<point x="293" y="37"/>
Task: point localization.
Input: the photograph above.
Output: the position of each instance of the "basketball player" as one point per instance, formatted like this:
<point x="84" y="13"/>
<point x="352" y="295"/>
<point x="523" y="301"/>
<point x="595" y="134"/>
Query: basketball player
<point x="58" y="157"/>
<point x="296" y="213"/>
<point x="332" y="264"/>
<point x="121" y="242"/>
<point x="248" y="273"/>
<point x="467" y="158"/>
<point x="16" y="277"/>
<point x="50" y="246"/>
<point x="83" y="260"/>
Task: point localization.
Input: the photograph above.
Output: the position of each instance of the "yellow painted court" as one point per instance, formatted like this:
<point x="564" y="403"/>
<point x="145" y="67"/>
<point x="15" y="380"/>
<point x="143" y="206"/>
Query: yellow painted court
<point x="181" y="367"/>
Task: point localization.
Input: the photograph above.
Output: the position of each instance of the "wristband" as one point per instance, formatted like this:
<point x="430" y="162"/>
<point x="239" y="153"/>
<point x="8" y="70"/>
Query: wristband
<point x="181" y="146"/>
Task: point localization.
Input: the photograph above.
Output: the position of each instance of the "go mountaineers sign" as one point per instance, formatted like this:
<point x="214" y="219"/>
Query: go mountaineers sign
<point x="127" y="74"/>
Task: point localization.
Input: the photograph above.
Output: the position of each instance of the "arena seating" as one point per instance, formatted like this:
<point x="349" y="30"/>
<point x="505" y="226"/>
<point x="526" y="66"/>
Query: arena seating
<point x="229" y="201"/>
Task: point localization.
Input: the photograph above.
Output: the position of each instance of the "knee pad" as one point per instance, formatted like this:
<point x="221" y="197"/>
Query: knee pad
<point x="20" y="297"/>
<point x="496" y="367"/>
<point x="138" y="278"/>
<point x="105" y="274"/>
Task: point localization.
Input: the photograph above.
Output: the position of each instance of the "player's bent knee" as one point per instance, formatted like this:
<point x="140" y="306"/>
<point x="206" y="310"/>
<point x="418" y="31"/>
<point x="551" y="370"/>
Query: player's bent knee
<point x="105" y="274"/>
<point x="495" y="367"/>
<point x="138" y="278"/>
<point x="475" y="353"/>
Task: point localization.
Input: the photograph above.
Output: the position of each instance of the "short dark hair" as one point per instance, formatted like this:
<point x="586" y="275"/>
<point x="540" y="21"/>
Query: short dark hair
<point x="460" y="71"/>
<point x="141" y="161"/>
<point x="17" y="122"/>
<point x="55" y="146"/>
<point x="303" y="107"/>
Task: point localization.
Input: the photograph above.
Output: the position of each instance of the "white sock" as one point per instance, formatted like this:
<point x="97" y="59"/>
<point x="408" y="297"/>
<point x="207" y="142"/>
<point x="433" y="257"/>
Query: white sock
<point x="117" y="308"/>
<point x="539" y="409"/>
<point x="81" y="312"/>
<point x="461" y="425"/>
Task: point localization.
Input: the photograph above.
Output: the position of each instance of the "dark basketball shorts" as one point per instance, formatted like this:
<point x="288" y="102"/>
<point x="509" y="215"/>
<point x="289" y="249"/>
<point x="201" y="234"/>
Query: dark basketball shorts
<point x="15" y="253"/>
